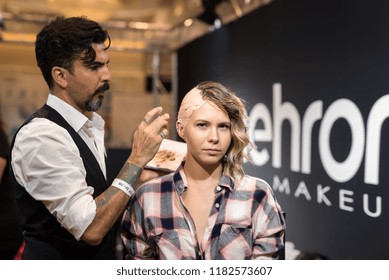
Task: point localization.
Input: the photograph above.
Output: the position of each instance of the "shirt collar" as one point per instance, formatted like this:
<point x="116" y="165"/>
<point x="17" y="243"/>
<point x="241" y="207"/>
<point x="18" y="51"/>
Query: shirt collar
<point x="181" y="183"/>
<point x="75" y="118"/>
<point x="98" y="121"/>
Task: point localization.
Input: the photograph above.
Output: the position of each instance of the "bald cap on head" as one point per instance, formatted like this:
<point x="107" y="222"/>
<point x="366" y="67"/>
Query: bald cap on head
<point x="192" y="101"/>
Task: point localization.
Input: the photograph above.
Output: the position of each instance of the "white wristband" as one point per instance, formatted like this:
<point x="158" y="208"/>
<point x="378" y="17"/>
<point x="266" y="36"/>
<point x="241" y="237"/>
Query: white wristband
<point x="123" y="185"/>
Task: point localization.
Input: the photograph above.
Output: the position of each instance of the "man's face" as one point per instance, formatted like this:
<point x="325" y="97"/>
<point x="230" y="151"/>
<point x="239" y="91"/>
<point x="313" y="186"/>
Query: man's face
<point x="87" y="83"/>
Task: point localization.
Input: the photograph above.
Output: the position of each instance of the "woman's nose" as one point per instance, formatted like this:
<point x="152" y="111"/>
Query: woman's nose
<point x="213" y="135"/>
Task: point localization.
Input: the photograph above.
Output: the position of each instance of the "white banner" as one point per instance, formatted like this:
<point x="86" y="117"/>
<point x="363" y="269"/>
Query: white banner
<point x="187" y="270"/>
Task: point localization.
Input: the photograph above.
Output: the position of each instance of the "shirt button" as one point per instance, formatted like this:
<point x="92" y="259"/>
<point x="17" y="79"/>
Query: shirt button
<point x="218" y="188"/>
<point x="217" y="205"/>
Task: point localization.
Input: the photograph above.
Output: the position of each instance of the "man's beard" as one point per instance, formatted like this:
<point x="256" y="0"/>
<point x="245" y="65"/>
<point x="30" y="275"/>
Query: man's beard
<point x="94" y="105"/>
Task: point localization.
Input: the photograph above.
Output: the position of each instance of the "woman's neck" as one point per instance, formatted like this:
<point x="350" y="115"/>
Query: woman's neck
<point x="200" y="173"/>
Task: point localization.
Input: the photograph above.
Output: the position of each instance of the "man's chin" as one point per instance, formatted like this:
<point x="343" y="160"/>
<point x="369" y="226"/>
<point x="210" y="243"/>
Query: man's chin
<point x="94" y="106"/>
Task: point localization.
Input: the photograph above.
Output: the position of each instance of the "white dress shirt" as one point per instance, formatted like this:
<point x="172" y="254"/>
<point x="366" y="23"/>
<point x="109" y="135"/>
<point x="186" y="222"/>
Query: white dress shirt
<point x="47" y="163"/>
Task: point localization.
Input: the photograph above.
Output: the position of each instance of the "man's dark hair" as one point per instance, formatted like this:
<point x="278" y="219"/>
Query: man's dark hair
<point x="65" y="40"/>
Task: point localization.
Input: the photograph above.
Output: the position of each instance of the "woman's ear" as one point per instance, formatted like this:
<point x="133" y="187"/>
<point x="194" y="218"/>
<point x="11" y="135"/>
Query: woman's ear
<point x="180" y="129"/>
<point x="59" y="76"/>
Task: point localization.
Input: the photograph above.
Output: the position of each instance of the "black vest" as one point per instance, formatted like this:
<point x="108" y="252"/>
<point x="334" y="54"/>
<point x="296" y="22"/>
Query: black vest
<point x="45" y="238"/>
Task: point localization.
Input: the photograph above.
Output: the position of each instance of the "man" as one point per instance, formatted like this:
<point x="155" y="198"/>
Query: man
<point x="58" y="154"/>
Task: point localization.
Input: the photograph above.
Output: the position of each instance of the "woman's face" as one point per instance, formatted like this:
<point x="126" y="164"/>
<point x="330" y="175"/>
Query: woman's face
<point x="207" y="133"/>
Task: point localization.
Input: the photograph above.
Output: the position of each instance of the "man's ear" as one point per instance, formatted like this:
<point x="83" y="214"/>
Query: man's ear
<point x="59" y="75"/>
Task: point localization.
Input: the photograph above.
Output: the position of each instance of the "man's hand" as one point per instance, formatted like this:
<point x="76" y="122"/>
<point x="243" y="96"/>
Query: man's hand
<point x="148" y="137"/>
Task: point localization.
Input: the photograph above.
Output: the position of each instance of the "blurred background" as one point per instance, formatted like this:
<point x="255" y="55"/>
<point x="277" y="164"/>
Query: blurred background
<point x="314" y="75"/>
<point x="145" y="36"/>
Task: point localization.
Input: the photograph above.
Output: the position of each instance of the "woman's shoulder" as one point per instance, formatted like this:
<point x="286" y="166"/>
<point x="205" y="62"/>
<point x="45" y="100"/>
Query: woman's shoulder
<point x="156" y="184"/>
<point x="254" y="183"/>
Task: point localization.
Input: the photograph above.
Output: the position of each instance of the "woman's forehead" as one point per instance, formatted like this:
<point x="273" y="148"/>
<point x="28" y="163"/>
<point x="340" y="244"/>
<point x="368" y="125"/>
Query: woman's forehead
<point x="210" y="111"/>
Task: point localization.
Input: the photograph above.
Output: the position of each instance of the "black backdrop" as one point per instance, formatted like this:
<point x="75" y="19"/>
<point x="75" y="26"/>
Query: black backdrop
<point x="315" y="78"/>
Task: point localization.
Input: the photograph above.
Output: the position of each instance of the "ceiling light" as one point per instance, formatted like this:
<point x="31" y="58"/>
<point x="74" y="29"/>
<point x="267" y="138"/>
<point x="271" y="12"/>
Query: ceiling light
<point x="99" y="10"/>
<point x="188" y="22"/>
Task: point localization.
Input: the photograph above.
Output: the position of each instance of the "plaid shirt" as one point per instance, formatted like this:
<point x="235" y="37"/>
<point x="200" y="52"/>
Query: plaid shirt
<point x="245" y="222"/>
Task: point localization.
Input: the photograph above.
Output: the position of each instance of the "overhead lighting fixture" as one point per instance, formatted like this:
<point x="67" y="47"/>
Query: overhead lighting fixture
<point x="188" y="22"/>
<point x="99" y="10"/>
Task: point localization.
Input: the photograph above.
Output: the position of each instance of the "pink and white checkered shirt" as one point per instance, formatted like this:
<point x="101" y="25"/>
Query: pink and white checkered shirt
<point x="245" y="222"/>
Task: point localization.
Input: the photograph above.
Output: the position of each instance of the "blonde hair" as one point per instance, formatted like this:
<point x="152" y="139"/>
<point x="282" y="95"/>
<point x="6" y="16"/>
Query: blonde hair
<point x="234" y="107"/>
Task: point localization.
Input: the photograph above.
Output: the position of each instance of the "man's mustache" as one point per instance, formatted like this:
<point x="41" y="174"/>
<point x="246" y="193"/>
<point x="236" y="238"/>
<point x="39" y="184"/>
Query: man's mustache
<point x="103" y="88"/>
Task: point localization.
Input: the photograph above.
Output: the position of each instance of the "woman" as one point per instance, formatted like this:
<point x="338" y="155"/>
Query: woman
<point x="208" y="208"/>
